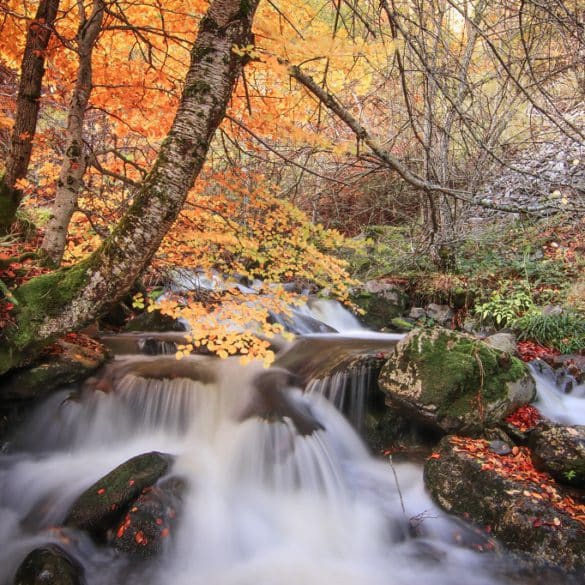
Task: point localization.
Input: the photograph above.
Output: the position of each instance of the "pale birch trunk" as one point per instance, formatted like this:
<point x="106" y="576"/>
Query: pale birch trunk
<point x="75" y="162"/>
<point x="73" y="297"/>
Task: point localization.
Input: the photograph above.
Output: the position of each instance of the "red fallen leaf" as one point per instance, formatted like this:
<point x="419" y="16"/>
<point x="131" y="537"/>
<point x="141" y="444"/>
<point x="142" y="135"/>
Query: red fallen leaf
<point x="159" y="521"/>
<point x="435" y="456"/>
<point x="101" y="491"/>
<point x="121" y="531"/>
<point x="140" y="538"/>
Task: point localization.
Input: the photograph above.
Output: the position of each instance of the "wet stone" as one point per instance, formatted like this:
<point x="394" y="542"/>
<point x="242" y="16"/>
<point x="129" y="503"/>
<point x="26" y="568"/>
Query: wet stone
<point x="103" y="503"/>
<point x="151" y="519"/>
<point x="49" y="565"/>
<point x="500" y="447"/>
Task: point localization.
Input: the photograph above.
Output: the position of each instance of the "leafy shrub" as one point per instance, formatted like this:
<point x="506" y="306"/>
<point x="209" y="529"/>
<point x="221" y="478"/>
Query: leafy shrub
<point x="563" y="331"/>
<point x="504" y="307"/>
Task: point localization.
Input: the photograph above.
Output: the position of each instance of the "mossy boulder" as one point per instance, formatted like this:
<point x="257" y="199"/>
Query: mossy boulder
<point x="65" y="362"/>
<point x="100" y="506"/>
<point x="560" y="451"/>
<point x="524" y="509"/>
<point x="49" y="565"/>
<point x="454" y="382"/>
<point x="381" y="302"/>
<point x="151" y="519"/>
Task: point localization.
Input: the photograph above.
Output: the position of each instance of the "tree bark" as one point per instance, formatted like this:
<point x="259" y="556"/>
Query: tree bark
<point x="75" y="162"/>
<point x="27" y="109"/>
<point x="70" y="298"/>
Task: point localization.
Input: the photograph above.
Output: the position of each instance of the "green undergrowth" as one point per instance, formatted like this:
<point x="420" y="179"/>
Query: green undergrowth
<point x="500" y="274"/>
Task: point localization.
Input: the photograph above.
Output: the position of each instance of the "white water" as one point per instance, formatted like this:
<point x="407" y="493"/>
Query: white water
<point x="565" y="408"/>
<point x="266" y="505"/>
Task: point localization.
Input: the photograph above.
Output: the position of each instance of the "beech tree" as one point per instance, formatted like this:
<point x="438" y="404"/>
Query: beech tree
<point x="52" y="304"/>
<point x="76" y="158"/>
<point x="27" y="109"/>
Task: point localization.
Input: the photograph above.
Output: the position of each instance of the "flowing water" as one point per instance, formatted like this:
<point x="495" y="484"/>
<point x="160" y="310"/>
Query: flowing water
<point x="281" y="489"/>
<point x="565" y="407"/>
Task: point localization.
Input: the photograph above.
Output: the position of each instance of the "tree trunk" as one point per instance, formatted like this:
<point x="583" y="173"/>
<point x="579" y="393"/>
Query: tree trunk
<point x="72" y="297"/>
<point x="75" y="162"/>
<point x="27" y="109"/>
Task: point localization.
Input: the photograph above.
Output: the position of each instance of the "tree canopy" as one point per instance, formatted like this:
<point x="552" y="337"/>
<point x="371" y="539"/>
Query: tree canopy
<point x="264" y="133"/>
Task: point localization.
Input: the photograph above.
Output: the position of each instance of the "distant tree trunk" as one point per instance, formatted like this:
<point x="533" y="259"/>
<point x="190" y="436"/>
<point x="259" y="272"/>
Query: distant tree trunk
<point x="75" y="162"/>
<point x="70" y="298"/>
<point x="27" y="109"/>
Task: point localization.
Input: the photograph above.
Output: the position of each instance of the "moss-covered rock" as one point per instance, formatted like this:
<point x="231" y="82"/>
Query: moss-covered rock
<point x="151" y="519"/>
<point x="67" y="361"/>
<point x="525" y="510"/>
<point x="100" y="506"/>
<point x="49" y="565"/>
<point x="560" y="451"/>
<point x="381" y="302"/>
<point x="453" y="381"/>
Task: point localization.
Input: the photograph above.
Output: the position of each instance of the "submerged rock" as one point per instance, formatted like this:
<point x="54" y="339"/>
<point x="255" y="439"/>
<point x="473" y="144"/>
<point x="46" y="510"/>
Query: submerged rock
<point x="151" y="519"/>
<point x="524" y="509"/>
<point x="99" y="506"/>
<point x="454" y="382"/>
<point x="560" y="451"/>
<point x="49" y="565"/>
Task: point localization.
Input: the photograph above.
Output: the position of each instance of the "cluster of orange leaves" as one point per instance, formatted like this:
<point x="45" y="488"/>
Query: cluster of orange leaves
<point x="518" y="466"/>
<point x="524" y="418"/>
<point x="530" y="350"/>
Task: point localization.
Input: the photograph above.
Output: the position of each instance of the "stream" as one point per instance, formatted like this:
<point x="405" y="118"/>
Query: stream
<point x="281" y="490"/>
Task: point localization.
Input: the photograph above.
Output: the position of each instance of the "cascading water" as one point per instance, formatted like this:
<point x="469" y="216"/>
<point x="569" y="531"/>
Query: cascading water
<point x="563" y="407"/>
<point x="280" y="488"/>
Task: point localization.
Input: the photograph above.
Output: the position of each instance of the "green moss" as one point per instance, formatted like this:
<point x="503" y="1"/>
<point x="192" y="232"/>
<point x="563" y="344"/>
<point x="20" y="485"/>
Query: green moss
<point x="46" y="296"/>
<point x="460" y="373"/>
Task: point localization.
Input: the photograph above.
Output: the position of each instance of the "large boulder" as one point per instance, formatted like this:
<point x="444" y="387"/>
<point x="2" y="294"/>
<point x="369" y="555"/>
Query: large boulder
<point x="560" y="450"/>
<point x="454" y="382"/>
<point x="49" y="565"/>
<point x="96" y="509"/>
<point x="525" y="509"/>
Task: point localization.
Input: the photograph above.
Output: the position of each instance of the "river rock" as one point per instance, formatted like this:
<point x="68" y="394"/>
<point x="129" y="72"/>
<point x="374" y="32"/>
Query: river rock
<point x="441" y="314"/>
<point x="560" y="450"/>
<point x="523" y="508"/>
<point x="150" y="520"/>
<point x="502" y="342"/>
<point x="155" y="321"/>
<point x="454" y="382"/>
<point x="49" y="565"/>
<point x="382" y="301"/>
<point x="100" y="505"/>
<point x="66" y="361"/>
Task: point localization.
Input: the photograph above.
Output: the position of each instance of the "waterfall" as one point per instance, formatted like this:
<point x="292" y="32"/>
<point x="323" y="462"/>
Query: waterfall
<point x="281" y="488"/>
<point x="554" y="403"/>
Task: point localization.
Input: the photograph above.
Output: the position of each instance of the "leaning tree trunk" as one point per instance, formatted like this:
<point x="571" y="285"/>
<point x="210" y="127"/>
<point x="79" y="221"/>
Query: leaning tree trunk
<point x="75" y="162"/>
<point x="72" y="297"/>
<point x="27" y="109"/>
